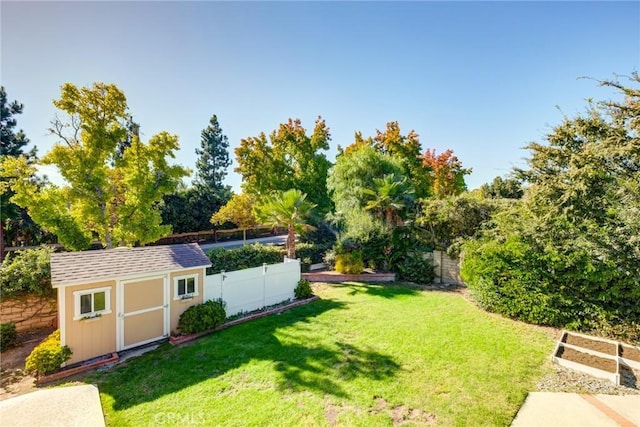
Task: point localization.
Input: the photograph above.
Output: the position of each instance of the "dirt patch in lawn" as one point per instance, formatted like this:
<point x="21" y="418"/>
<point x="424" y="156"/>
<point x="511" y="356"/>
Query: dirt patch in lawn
<point x="402" y="414"/>
<point x="607" y="365"/>
<point x="631" y="353"/>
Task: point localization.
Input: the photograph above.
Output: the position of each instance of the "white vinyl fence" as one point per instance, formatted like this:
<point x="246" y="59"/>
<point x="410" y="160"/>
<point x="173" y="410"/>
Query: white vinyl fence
<point x="253" y="288"/>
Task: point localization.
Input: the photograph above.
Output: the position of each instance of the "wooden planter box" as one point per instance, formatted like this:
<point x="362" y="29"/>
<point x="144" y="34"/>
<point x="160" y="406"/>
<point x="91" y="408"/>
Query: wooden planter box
<point x="599" y="357"/>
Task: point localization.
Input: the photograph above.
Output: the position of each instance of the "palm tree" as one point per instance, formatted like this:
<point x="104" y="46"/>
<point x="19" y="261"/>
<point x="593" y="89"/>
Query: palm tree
<point x="391" y="195"/>
<point x="287" y="209"/>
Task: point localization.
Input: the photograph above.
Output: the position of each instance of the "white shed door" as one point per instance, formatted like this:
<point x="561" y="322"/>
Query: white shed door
<point x="143" y="311"/>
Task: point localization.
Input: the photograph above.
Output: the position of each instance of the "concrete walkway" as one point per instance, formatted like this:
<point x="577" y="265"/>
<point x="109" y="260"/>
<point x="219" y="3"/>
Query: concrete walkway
<point x="75" y="406"/>
<point x="579" y="410"/>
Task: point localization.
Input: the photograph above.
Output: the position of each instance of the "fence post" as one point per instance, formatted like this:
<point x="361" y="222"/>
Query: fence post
<point x="264" y="285"/>
<point x="222" y="276"/>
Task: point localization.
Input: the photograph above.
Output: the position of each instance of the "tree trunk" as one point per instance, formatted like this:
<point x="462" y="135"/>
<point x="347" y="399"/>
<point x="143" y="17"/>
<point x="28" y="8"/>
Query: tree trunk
<point x="1" y="241"/>
<point x="107" y="238"/>
<point x="291" y="243"/>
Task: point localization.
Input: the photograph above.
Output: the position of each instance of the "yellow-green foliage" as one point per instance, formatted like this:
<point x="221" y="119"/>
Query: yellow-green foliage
<point x="114" y="189"/>
<point x="48" y="355"/>
<point x="350" y="263"/>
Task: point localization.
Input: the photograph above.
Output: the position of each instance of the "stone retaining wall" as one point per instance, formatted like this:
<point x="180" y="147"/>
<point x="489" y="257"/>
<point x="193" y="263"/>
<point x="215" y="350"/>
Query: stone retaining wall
<point x="29" y="312"/>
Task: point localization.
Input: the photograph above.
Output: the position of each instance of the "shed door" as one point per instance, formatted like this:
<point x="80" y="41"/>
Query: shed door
<point x="143" y="311"/>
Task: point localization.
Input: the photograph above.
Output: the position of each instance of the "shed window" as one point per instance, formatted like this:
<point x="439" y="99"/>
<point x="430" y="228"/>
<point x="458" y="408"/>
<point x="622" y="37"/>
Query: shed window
<point x="92" y="303"/>
<point x="186" y="286"/>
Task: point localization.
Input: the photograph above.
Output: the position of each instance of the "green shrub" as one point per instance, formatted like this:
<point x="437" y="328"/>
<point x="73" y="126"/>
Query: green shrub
<point x="26" y="272"/>
<point x="8" y="335"/>
<point x="303" y="290"/>
<point x="311" y="253"/>
<point x="330" y="259"/>
<point x="350" y="262"/>
<point x="415" y="268"/>
<point x="48" y="355"/>
<point x="249" y="256"/>
<point x="505" y="277"/>
<point x="202" y="317"/>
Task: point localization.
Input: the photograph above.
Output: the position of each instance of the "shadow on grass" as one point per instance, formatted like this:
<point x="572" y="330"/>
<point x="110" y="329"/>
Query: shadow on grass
<point x="299" y="363"/>
<point x="385" y="290"/>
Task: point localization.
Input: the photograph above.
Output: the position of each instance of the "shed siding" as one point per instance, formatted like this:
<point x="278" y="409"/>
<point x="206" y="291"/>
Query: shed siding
<point x="142" y="326"/>
<point x="94" y="337"/>
<point x="177" y="306"/>
<point x="144" y="294"/>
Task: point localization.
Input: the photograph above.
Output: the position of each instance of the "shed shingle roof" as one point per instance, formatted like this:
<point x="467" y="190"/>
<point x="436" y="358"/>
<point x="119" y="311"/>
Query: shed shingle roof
<point x="68" y="268"/>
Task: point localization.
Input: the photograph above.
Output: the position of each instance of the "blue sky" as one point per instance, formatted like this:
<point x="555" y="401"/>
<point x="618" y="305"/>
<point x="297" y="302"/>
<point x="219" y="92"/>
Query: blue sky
<point x="481" y="78"/>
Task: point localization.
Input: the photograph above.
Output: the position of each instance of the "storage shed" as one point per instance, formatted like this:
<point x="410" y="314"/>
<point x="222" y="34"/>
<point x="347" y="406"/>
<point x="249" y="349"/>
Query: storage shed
<point x="116" y="299"/>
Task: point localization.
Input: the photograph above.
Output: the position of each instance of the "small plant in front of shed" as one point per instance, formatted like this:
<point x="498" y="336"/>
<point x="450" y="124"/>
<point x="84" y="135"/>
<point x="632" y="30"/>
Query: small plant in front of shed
<point x="8" y="335"/>
<point x="303" y="290"/>
<point x="202" y="317"/>
<point x="48" y="355"/>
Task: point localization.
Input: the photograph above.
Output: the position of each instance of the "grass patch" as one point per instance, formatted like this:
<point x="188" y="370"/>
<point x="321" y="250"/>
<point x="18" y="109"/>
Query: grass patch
<point x="361" y="355"/>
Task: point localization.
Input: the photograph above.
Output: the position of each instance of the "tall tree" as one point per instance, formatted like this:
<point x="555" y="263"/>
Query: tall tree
<point x="289" y="209"/>
<point x="12" y="144"/>
<point x="213" y="157"/>
<point x="571" y="249"/>
<point x="287" y="159"/>
<point x="208" y="193"/>
<point x="238" y="210"/>
<point x="352" y="180"/>
<point x="176" y="211"/>
<point x="446" y="171"/>
<point x="389" y="198"/>
<point x="109" y="196"/>
<point x="407" y="149"/>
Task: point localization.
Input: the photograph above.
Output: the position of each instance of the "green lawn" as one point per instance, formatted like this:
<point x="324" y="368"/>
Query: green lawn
<point x="362" y="355"/>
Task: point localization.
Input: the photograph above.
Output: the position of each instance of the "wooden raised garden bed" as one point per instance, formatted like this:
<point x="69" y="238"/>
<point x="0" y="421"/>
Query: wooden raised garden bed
<point x="598" y="357"/>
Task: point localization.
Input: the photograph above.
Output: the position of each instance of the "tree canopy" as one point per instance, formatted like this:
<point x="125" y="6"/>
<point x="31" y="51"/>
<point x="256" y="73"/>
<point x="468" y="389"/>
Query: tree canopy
<point x="190" y="208"/>
<point x="239" y="211"/>
<point x="14" y="221"/>
<point x="447" y="173"/>
<point x="213" y="157"/>
<point x="502" y="188"/>
<point x="569" y="253"/>
<point x="352" y="181"/>
<point x="289" y="209"/>
<point x="287" y="159"/>
<point x="112" y="190"/>
<point x="13" y="142"/>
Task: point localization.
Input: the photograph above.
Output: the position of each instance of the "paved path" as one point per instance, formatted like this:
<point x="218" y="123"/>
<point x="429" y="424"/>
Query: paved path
<point x="75" y="406"/>
<point x="275" y="240"/>
<point x="578" y="410"/>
